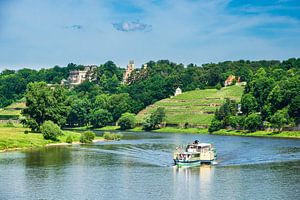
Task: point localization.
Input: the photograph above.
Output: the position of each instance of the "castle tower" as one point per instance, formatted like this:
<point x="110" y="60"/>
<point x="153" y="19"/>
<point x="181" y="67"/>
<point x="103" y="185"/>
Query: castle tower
<point x="129" y="70"/>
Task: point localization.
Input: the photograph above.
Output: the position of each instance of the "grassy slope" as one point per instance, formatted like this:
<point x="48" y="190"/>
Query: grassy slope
<point x="195" y="107"/>
<point x="13" y="109"/>
<point x="14" y="137"/>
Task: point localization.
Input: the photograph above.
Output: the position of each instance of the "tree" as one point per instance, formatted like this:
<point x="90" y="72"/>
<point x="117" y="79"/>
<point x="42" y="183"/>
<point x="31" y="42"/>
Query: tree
<point x="119" y="104"/>
<point x="249" y="104"/>
<point x="155" y="119"/>
<point x="50" y="130"/>
<point x="126" y="121"/>
<point x="234" y="121"/>
<point x="101" y="101"/>
<point x="294" y="109"/>
<point x="100" y="118"/>
<point x="80" y="111"/>
<point x="253" y="122"/>
<point x="261" y="86"/>
<point x="45" y="103"/>
<point x="279" y="119"/>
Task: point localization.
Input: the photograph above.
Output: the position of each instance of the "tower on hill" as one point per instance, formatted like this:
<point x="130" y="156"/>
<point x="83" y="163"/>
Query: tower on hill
<point x="130" y="68"/>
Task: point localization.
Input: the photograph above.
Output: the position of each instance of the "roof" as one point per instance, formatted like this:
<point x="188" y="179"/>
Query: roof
<point x="201" y="144"/>
<point x="230" y="78"/>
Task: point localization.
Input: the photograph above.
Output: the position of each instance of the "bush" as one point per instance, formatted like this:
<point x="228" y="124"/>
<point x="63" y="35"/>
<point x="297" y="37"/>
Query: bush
<point x="215" y="125"/>
<point x="87" y="137"/>
<point x="50" y="130"/>
<point x="218" y="86"/>
<point x="126" y="121"/>
<point x="155" y="119"/>
<point x="69" y="139"/>
<point x="112" y="136"/>
<point x="26" y="132"/>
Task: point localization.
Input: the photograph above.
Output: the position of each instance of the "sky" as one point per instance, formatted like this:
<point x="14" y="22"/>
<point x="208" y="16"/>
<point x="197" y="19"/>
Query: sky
<point x="41" y="34"/>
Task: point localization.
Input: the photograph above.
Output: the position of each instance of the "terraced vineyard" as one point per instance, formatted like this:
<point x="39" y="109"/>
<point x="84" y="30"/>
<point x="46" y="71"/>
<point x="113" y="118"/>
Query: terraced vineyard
<point x="195" y="107"/>
<point x="13" y="111"/>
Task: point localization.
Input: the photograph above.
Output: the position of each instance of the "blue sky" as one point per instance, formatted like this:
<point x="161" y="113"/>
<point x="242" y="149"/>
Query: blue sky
<point x="45" y="33"/>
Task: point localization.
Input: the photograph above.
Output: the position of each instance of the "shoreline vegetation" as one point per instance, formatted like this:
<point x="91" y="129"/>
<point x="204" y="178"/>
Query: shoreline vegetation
<point x="13" y="138"/>
<point x="225" y="132"/>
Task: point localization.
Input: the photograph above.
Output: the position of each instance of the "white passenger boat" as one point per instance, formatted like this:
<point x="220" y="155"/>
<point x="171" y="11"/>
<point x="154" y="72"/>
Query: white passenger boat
<point x="194" y="154"/>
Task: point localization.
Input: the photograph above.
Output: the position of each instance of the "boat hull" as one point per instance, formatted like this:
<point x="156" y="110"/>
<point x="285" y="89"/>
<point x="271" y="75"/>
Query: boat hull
<point x="194" y="163"/>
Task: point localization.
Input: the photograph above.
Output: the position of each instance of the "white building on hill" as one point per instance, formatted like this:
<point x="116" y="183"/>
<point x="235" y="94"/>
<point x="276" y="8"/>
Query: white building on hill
<point x="178" y="91"/>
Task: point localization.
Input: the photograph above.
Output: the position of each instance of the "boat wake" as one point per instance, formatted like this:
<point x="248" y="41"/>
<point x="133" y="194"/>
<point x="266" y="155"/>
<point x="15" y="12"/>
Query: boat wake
<point x="136" y="154"/>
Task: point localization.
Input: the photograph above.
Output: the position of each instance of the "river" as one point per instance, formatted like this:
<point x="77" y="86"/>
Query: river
<point x="140" y="167"/>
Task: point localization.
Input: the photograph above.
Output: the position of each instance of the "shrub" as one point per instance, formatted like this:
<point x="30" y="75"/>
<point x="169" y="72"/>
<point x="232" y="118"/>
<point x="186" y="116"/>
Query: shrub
<point x="112" y="136"/>
<point x="87" y="137"/>
<point x="26" y="132"/>
<point x="126" y="121"/>
<point x="69" y="139"/>
<point x="155" y="119"/>
<point x="50" y="130"/>
<point x="218" y="86"/>
<point x="215" y="125"/>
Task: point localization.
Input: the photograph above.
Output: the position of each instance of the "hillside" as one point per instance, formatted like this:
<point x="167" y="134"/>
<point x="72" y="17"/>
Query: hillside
<point x="12" y="111"/>
<point x="194" y="107"/>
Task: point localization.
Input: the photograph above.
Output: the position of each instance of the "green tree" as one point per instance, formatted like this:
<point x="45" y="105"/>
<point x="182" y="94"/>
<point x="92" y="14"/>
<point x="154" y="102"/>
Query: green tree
<point x="50" y="130"/>
<point x="155" y="119"/>
<point x="249" y="104"/>
<point x="80" y="111"/>
<point x="101" y="101"/>
<point x="234" y="121"/>
<point x="45" y="103"/>
<point x="294" y="109"/>
<point x="119" y="104"/>
<point x="253" y="122"/>
<point x="126" y="121"/>
<point x="100" y="118"/>
<point x="279" y="119"/>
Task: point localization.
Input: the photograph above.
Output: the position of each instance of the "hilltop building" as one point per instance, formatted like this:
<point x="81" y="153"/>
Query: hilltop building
<point x="77" y="77"/>
<point x="230" y="80"/>
<point x="178" y="91"/>
<point x="130" y="68"/>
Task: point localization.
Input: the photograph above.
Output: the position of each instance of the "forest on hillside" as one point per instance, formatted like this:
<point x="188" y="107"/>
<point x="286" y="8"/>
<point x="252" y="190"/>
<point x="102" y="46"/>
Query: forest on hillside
<point x="103" y="100"/>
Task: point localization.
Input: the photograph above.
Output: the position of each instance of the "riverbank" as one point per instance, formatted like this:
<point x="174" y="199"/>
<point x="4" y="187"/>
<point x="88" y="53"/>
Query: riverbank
<point x="13" y="137"/>
<point x="283" y="134"/>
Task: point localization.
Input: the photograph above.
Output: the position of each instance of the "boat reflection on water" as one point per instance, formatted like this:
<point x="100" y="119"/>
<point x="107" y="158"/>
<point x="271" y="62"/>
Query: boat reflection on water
<point x="187" y="178"/>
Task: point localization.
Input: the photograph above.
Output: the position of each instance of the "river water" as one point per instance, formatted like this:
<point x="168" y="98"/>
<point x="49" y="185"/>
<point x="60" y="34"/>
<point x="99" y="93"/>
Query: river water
<point x="140" y="167"/>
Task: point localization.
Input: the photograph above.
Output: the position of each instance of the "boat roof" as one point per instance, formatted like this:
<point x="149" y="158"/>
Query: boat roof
<point x="202" y="144"/>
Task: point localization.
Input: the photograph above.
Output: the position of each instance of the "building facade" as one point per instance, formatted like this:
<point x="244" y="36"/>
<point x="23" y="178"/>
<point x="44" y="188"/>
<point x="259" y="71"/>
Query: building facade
<point x="77" y="77"/>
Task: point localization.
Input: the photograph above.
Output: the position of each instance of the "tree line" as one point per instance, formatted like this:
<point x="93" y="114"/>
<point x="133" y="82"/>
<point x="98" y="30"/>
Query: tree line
<point x="104" y="100"/>
<point x="271" y="100"/>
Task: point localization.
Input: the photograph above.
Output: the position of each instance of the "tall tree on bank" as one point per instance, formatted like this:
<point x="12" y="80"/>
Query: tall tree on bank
<point x="45" y="103"/>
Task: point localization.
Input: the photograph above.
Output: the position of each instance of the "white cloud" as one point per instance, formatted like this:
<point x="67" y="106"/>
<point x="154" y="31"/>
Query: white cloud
<point x="129" y="26"/>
